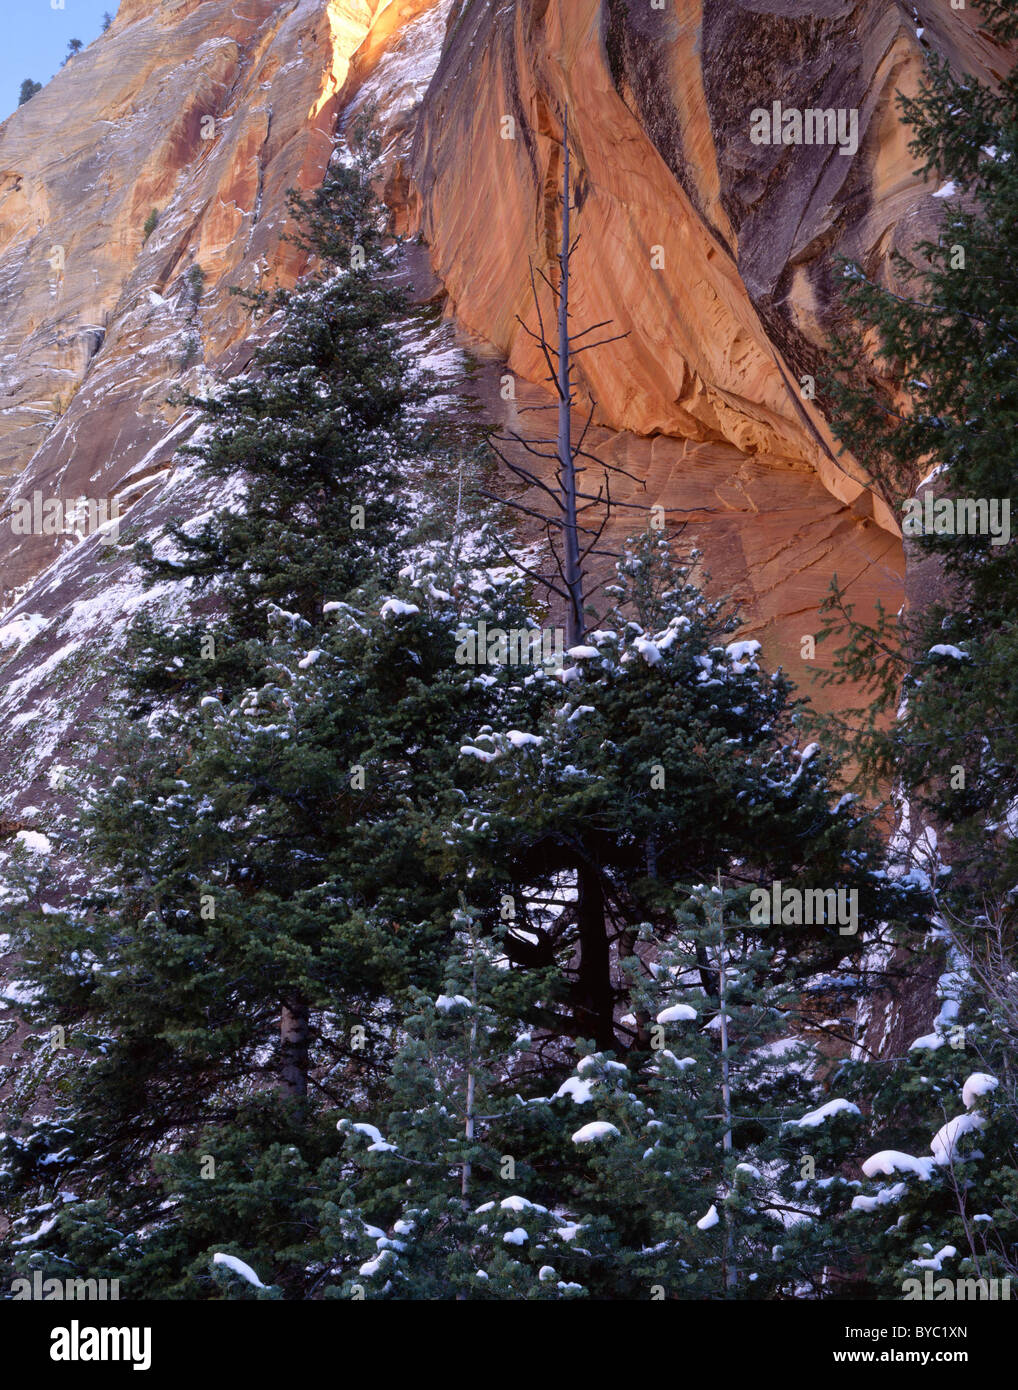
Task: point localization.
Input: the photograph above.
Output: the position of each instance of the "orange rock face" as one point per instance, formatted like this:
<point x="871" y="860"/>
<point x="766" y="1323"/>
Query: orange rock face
<point x="715" y="255"/>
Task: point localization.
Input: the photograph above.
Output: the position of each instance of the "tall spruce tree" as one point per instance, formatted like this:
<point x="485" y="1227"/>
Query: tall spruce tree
<point x="316" y="438"/>
<point x="249" y="862"/>
<point x="949" y="341"/>
<point x="942" y="449"/>
<point x="271" y="877"/>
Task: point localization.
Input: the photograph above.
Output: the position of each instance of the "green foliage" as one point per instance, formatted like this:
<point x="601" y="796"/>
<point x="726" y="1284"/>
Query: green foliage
<point x="195" y="282"/>
<point x="661" y="756"/>
<point x="941" y="1195"/>
<point x="611" y="1186"/>
<point x="270" y="843"/>
<point x="943" y="710"/>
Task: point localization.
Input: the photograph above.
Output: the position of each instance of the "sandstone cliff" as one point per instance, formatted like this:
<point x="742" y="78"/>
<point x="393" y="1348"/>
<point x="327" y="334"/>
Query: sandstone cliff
<point x="717" y="256"/>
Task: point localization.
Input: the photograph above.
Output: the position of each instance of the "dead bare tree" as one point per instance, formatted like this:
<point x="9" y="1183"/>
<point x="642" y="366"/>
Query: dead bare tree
<point x="573" y="515"/>
<point x="571" y="540"/>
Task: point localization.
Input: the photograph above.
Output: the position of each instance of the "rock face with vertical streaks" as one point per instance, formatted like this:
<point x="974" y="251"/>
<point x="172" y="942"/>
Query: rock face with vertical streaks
<point x="715" y="255"/>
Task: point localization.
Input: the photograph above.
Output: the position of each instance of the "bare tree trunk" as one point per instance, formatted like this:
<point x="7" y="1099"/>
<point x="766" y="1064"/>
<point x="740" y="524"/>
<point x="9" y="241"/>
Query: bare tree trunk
<point x="566" y="461"/>
<point x="595" y="998"/>
<point x="468" y="1129"/>
<point x="570" y="500"/>
<point x="294" y="1042"/>
<point x="726" y="1091"/>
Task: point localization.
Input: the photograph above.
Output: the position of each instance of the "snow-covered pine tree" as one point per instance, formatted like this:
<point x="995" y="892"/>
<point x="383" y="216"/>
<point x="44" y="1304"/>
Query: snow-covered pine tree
<point x="284" y="844"/>
<point x="659" y="754"/>
<point x="310" y="448"/>
<point x="641" y="1177"/>
<point x="436" y="1188"/>
<point x="709" y="1171"/>
<point x="684" y="1173"/>
<point x="938" y="1200"/>
<point x="948" y="343"/>
<point x="248" y="864"/>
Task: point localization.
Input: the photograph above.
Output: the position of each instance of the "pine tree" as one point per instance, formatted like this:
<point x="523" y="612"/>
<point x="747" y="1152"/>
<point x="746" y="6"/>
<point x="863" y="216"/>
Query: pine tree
<point x="271" y="878"/>
<point x="249" y="863"/>
<point x="319" y="431"/>
<point x="942" y="407"/>
<point x="942" y="1179"/>
<point x="28" y="90"/>
<point x="437" y="1186"/>
<point x="659" y="755"/>
<point x="678" y="1177"/>
<point x="674" y="1140"/>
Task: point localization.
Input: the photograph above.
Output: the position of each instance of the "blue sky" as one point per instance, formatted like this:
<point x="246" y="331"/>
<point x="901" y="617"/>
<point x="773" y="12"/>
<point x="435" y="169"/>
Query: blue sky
<point x="36" y="36"/>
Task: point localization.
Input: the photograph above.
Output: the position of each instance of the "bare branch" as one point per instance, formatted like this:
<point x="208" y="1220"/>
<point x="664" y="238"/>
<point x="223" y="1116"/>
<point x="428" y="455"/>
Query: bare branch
<point x="528" y="477"/>
<point x="558" y="562"/>
<point x="587" y="346"/>
<point x="630" y="506"/>
<point x="545" y="347"/>
<point x="524" y="444"/>
<point x="583" y="433"/>
<point x="612" y="467"/>
<point x="522" y="507"/>
<point x="574" y="337"/>
<point x="532" y="574"/>
<point x="600" y="532"/>
<point x="553" y="288"/>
